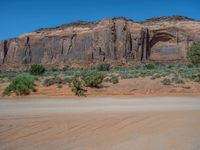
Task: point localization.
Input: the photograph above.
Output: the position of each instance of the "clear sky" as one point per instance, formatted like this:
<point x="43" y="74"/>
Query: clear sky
<point x="22" y="16"/>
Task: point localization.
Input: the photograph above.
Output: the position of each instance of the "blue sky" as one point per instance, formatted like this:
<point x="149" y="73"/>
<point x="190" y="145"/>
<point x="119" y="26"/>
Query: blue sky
<point x="22" y="16"/>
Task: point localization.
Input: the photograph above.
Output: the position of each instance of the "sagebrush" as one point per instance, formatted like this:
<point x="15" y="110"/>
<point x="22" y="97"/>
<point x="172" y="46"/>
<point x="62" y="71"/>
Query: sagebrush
<point x="78" y="86"/>
<point x="103" y="67"/>
<point x="37" y="69"/>
<point x="193" y="53"/>
<point x="93" y="78"/>
<point x="21" y="85"/>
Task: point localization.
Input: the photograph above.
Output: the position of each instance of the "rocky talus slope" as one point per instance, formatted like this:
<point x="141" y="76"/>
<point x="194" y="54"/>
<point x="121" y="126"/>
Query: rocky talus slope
<point x="108" y="40"/>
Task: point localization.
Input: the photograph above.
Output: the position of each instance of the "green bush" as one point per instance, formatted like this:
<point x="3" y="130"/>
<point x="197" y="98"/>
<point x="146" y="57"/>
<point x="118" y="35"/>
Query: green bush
<point x="21" y="85"/>
<point x="88" y="79"/>
<point x="51" y="81"/>
<point x="93" y="78"/>
<point x="68" y="79"/>
<point x="114" y="80"/>
<point x="166" y="81"/>
<point x="150" y="66"/>
<point x="191" y="65"/>
<point x="36" y="69"/>
<point x="78" y="86"/>
<point x="103" y="67"/>
<point x="170" y="66"/>
<point x="193" y="54"/>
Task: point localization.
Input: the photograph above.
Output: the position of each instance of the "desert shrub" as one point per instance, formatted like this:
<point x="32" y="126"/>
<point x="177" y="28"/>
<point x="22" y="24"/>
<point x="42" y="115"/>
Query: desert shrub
<point x="128" y="76"/>
<point x="107" y="79"/>
<point x="191" y="65"/>
<point x="21" y="85"/>
<point x="37" y="69"/>
<point x="119" y="68"/>
<point x="66" y="68"/>
<point x="114" y="80"/>
<point x="59" y="86"/>
<point x="196" y="77"/>
<point x="153" y="78"/>
<point x="8" y="74"/>
<point x="88" y="79"/>
<point x="55" y="69"/>
<point x="156" y="75"/>
<point x="193" y="54"/>
<point x="150" y="66"/>
<point x="178" y="80"/>
<point x="78" y="85"/>
<point x="51" y="81"/>
<point x="166" y="81"/>
<point x="2" y="80"/>
<point x="68" y="79"/>
<point x="103" y="67"/>
<point x="144" y="73"/>
<point x="170" y="66"/>
<point x="93" y="78"/>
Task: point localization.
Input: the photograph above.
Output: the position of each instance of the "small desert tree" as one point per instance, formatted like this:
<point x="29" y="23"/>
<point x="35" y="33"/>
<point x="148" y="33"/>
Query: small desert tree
<point x="193" y="53"/>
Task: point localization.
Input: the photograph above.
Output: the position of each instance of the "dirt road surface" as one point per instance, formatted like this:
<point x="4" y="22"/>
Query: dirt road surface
<point x="155" y="123"/>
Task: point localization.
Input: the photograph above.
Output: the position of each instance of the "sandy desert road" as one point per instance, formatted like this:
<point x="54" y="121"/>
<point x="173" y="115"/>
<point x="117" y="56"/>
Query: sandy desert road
<point x="156" y="123"/>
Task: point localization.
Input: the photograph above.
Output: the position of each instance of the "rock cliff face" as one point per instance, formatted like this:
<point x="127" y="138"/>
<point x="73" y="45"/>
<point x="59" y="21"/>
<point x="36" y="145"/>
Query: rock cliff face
<point x="108" y="40"/>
